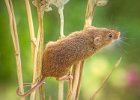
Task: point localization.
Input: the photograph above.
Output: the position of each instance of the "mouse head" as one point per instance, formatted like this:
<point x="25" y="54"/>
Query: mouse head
<point x="103" y="36"/>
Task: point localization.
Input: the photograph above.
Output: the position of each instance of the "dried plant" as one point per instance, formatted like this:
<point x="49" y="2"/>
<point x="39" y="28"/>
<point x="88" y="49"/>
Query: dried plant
<point x="14" y="34"/>
<point x="39" y="48"/>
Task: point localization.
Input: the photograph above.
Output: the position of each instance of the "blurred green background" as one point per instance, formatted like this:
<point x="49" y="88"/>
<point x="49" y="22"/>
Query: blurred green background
<point x="123" y="15"/>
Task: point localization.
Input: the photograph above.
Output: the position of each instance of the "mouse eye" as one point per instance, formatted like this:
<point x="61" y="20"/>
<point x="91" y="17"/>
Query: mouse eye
<point x="110" y="35"/>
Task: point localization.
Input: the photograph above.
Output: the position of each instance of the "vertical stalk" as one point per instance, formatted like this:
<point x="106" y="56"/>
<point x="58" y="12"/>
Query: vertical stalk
<point x="41" y="47"/>
<point x="75" y="80"/>
<point x="31" y="26"/>
<point x="90" y="12"/>
<point x="60" y="10"/>
<point x="38" y="51"/>
<point x="69" y="90"/>
<point x="61" y="83"/>
<point x="88" y="21"/>
<point x="80" y="78"/>
<point x="14" y="34"/>
<point x="60" y="90"/>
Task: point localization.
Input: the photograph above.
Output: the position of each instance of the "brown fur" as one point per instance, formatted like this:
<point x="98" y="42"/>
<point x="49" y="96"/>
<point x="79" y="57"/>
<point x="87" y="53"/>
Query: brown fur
<point x="60" y="55"/>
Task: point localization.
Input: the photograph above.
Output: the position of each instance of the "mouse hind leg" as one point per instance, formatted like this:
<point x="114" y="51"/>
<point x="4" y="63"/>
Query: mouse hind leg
<point x="68" y="76"/>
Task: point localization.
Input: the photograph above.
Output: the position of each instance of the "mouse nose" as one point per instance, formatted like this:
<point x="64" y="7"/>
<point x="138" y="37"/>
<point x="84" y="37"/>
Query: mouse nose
<point x="117" y="35"/>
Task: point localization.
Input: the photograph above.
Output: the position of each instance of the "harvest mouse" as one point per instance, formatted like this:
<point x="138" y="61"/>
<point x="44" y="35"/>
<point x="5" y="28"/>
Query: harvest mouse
<point x="60" y="55"/>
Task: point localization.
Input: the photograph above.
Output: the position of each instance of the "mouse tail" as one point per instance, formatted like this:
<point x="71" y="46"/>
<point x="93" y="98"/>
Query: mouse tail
<point x="30" y="90"/>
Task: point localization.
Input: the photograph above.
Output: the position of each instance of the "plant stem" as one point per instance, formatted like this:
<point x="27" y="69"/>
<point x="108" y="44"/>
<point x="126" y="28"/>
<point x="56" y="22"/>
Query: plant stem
<point x="80" y="78"/>
<point x="75" y="80"/>
<point x="105" y="80"/>
<point x="60" y="10"/>
<point x="60" y="90"/>
<point x="69" y="90"/>
<point x="61" y="83"/>
<point x="38" y="51"/>
<point x="14" y="34"/>
<point x="90" y="12"/>
<point x="31" y="26"/>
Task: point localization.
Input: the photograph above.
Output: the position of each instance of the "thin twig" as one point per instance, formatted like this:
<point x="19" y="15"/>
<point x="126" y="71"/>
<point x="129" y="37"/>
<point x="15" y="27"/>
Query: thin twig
<point x="75" y="80"/>
<point x="60" y="10"/>
<point x="50" y="98"/>
<point x="60" y="90"/>
<point x="31" y="26"/>
<point x="14" y="34"/>
<point x="61" y="83"/>
<point x="38" y="50"/>
<point x="35" y="71"/>
<point x="90" y="12"/>
<point x="40" y="16"/>
<point x="69" y="89"/>
<point x="79" y="82"/>
<point x="106" y="79"/>
<point x="34" y="46"/>
<point x="42" y="92"/>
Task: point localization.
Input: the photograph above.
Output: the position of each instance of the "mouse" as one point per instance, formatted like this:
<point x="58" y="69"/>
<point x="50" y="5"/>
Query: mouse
<point x="60" y="55"/>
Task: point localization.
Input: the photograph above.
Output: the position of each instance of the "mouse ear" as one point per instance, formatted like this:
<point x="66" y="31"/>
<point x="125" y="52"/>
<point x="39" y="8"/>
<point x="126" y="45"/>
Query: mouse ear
<point x="97" y="40"/>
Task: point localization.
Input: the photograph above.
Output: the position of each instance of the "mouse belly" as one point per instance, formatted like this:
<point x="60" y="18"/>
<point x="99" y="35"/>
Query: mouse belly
<point x="56" y="72"/>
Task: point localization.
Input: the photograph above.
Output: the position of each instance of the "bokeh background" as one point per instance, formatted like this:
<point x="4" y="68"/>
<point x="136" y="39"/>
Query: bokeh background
<point x="123" y="15"/>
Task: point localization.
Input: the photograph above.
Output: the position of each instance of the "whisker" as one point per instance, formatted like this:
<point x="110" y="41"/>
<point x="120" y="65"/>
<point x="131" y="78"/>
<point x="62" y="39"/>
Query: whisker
<point x="121" y="48"/>
<point x="122" y="37"/>
<point x="124" y="42"/>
